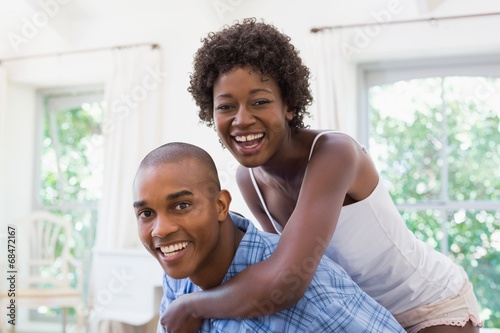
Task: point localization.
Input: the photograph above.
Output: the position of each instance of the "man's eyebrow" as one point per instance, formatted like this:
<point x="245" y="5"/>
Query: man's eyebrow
<point x="176" y="195"/>
<point x="172" y="196"/>
<point x="140" y="203"/>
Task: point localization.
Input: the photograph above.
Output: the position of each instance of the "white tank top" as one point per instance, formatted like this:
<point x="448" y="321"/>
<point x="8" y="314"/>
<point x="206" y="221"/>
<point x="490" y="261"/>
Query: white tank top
<point x="372" y="243"/>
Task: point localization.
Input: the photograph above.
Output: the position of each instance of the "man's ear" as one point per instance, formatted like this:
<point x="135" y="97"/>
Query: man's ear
<point x="223" y="203"/>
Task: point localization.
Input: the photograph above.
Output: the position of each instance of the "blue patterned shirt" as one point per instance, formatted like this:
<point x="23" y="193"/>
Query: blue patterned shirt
<point x="331" y="303"/>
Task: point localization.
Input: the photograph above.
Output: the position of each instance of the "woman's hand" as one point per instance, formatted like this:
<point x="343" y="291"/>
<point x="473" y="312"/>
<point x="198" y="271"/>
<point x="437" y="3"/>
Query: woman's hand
<point x="179" y="318"/>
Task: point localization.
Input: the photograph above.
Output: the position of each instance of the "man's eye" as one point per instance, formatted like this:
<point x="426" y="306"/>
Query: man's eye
<point x="182" y="206"/>
<point x="145" y="214"/>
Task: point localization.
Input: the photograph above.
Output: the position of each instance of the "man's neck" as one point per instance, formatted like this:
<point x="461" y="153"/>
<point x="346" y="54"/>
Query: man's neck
<point x="222" y="257"/>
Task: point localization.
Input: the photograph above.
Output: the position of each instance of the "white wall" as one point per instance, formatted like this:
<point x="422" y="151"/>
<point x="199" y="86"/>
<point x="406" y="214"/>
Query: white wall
<point x="17" y="153"/>
<point x="178" y="26"/>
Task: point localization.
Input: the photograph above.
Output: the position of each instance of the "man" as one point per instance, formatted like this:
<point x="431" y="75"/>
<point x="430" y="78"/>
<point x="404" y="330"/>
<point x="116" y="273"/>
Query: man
<point x="185" y="222"/>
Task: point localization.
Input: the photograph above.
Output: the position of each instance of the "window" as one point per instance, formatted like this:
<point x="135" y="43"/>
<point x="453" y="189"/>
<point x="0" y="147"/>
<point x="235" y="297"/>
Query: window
<point x="433" y="130"/>
<point x="69" y="174"/>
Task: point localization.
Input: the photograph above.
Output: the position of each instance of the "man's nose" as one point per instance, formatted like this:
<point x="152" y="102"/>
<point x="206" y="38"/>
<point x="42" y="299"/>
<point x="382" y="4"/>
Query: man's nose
<point x="164" y="226"/>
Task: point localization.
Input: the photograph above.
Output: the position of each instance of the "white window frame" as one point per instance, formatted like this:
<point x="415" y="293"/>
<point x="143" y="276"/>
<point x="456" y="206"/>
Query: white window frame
<point x="75" y="93"/>
<point x="377" y="73"/>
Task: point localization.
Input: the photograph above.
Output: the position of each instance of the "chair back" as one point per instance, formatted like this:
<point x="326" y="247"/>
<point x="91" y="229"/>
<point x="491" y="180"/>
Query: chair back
<point x="46" y="239"/>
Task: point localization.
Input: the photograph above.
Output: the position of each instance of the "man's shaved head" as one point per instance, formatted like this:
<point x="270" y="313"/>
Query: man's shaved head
<point x="175" y="152"/>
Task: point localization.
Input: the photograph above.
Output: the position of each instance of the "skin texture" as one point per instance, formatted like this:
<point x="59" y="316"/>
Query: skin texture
<point x="249" y="82"/>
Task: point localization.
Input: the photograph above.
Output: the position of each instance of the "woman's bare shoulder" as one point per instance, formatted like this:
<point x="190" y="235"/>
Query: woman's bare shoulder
<point x="333" y="141"/>
<point x="348" y="160"/>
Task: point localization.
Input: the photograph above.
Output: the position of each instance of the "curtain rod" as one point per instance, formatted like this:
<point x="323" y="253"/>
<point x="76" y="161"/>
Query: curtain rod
<point x="429" y="19"/>
<point x="153" y="46"/>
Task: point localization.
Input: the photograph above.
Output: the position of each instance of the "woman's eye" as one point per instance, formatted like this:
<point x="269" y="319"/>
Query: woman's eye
<point x="261" y="102"/>
<point x="223" y="107"/>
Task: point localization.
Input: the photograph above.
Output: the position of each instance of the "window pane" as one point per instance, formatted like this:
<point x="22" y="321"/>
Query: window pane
<point x="71" y="161"/>
<point x="473" y="113"/>
<point x="437" y="142"/>
<point x="426" y="225"/>
<point x="71" y="165"/>
<point x="405" y="137"/>
<point x="474" y="238"/>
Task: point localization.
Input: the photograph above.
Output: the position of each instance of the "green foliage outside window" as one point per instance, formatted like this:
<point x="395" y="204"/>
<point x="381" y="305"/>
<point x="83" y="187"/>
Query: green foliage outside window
<point x="71" y="156"/>
<point x="436" y="141"/>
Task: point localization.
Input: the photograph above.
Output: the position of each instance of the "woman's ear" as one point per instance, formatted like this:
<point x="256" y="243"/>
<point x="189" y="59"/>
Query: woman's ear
<point x="289" y="114"/>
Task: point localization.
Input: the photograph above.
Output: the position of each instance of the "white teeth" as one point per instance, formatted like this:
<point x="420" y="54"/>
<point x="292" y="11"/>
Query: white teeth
<point x="249" y="137"/>
<point x="170" y="250"/>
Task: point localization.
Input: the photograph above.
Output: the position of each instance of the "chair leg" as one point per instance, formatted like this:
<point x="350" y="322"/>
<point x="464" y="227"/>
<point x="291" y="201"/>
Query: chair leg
<point x="80" y="318"/>
<point x="65" y="310"/>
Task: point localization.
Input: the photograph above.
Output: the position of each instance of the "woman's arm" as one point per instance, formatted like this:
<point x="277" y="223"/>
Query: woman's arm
<point x="279" y="282"/>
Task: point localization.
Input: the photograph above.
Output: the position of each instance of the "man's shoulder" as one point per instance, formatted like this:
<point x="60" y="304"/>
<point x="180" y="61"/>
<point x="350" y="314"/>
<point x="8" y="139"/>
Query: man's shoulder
<point x="239" y="220"/>
<point x="252" y="234"/>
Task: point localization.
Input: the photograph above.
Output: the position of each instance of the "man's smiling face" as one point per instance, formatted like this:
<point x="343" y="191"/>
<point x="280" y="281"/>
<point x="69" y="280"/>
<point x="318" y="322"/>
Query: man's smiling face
<point x="178" y="216"/>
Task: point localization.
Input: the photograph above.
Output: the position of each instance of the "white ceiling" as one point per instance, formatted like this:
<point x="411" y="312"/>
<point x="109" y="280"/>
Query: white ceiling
<point x="65" y="24"/>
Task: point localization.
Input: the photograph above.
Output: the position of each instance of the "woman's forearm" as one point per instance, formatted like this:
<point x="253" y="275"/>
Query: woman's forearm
<point x="269" y="286"/>
<point x="256" y="291"/>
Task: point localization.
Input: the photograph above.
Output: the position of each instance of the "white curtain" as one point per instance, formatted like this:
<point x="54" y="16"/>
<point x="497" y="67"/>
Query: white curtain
<point x="333" y="82"/>
<point x="3" y="139"/>
<point x="132" y="126"/>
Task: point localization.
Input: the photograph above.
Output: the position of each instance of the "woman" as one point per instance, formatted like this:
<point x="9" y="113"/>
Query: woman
<point x="319" y="189"/>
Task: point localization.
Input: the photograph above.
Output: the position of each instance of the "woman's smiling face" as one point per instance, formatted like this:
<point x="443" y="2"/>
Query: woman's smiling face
<point x="250" y="116"/>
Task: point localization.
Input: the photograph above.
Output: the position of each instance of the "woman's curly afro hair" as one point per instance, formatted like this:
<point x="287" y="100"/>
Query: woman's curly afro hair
<point x="260" y="46"/>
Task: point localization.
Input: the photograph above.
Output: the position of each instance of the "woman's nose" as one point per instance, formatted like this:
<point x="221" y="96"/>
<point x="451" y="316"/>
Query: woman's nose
<point x="243" y="117"/>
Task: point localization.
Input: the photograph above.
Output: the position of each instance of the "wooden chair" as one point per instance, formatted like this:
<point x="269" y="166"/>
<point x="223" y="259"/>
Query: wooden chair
<point x="46" y="272"/>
